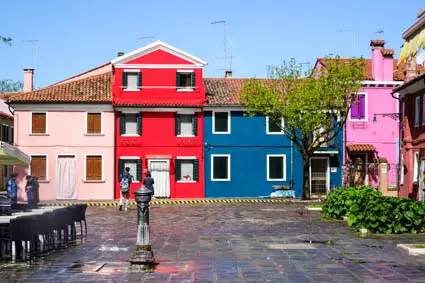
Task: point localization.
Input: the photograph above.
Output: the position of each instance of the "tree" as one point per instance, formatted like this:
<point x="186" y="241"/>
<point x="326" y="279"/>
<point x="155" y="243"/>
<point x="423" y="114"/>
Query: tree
<point x="313" y="103"/>
<point x="10" y="86"/>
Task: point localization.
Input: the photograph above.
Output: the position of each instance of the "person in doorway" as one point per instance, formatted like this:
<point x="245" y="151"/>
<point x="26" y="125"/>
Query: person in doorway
<point x="148" y="182"/>
<point x="12" y="189"/>
<point x="125" y="181"/>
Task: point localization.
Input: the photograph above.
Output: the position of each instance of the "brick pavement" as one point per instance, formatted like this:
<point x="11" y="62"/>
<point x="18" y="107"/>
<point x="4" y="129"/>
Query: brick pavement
<point x="263" y="242"/>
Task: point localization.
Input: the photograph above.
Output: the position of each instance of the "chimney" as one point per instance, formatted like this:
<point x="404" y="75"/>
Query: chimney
<point x="388" y="64"/>
<point x="377" y="59"/>
<point x="28" y="79"/>
<point x="228" y="74"/>
<point x="410" y="71"/>
<point x="120" y="54"/>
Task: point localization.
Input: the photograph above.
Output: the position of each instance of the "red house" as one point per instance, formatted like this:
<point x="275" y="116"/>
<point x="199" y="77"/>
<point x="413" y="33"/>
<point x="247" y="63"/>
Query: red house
<point x="158" y="94"/>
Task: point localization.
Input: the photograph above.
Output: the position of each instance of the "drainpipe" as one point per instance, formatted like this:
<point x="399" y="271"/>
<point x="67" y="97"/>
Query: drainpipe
<point x="292" y="163"/>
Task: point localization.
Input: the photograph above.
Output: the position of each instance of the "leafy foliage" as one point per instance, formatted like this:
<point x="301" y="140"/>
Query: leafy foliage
<point x="367" y="208"/>
<point x="309" y="101"/>
<point x="10" y="86"/>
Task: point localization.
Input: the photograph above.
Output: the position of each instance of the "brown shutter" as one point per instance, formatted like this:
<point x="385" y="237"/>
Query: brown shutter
<point x="38" y="123"/>
<point x="94" y="168"/>
<point x="38" y="167"/>
<point x="94" y="123"/>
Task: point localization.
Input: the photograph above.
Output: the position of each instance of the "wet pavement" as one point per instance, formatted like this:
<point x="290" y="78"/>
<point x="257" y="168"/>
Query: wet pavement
<point x="263" y="242"/>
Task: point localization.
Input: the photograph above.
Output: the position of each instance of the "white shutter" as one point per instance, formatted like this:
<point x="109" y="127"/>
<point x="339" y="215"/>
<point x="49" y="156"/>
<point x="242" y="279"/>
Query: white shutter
<point x="187" y="170"/>
<point x="186" y="125"/>
<point x="131" y="124"/>
<point x="132" y="80"/>
<point x="133" y="168"/>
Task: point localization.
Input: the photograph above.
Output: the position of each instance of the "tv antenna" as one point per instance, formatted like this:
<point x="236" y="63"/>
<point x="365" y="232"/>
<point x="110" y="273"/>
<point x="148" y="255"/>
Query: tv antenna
<point x="225" y="41"/>
<point x="379" y="31"/>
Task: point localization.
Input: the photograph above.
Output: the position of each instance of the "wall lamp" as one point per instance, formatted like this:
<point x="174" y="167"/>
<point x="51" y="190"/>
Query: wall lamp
<point x="394" y="116"/>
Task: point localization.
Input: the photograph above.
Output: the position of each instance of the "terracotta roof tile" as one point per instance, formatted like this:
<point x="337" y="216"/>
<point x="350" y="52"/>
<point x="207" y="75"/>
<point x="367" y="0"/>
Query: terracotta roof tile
<point x="360" y="147"/>
<point x="95" y="89"/>
<point x="388" y="52"/>
<point x="176" y="103"/>
<point x="377" y="42"/>
<point x="224" y="91"/>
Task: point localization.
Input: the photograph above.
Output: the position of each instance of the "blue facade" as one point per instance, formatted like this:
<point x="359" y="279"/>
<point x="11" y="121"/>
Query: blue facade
<point x="248" y="146"/>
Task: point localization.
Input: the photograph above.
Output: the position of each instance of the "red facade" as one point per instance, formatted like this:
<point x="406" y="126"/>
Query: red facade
<point x="158" y="93"/>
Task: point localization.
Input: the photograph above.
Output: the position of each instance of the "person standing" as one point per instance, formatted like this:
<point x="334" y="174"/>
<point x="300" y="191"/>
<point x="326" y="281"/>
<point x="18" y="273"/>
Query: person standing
<point x="148" y="182"/>
<point x="12" y="189"/>
<point x="125" y="181"/>
<point x="31" y="189"/>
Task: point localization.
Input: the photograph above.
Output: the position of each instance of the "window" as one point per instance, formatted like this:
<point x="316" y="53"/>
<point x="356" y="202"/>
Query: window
<point x="131" y="80"/>
<point x="38" y="123"/>
<point x="12" y="136"/>
<point x="221" y="122"/>
<point x="358" y="109"/>
<point x="131" y="124"/>
<point x="220" y="167"/>
<point x="38" y="167"/>
<point x="94" y="170"/>
<point x="94" y="123"/>
<point x="135" y="165"/>
<point x="4" y="133"/>
<point x="416" y="167"/>
<point x="185" y="80"/>
<point x="276" y="167"/>
<point x="417" y="109"/>
<point x="186" y="169"/>
<point x="274" y="127"/>
<point x="186" y="125"/>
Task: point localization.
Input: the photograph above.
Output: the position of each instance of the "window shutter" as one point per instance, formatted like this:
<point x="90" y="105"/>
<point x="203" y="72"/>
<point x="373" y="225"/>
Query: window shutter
<point x="139" y="123"/>
<point x="6" y="131"/>
<point x="177" y="169"/>
<point x="362" y="106"/>
<point x="38" y="167"/>
<point x="139" y="169"/>
<point x="122" y="124"/>
<point x="355" y="108"/>
<point x="177" y="129"/>
<point x="38" y="123"/>
<point x="12" y="140"/>
<point x="193" y="79"/>
<point x="177" y="79"/>
<point x="120" y="167"/>
<point x="195" y="125"/>
<point x="94" y="168"/>
<point x="124" y="79"/>
<point x="196" y="169"/>
<point x="139" y="80"/>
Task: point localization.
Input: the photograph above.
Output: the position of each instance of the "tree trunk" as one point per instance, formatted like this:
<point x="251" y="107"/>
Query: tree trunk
<point x="306" y="179"/>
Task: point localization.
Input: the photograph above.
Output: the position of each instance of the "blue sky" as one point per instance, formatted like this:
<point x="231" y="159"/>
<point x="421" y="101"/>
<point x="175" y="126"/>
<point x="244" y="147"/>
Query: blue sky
<point x="76" y="35"/>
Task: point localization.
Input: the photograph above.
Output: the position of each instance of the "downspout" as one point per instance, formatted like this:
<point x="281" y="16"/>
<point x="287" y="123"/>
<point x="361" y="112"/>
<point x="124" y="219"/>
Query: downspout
<point x="400" y="125"/>
<point x="292" y="163"/>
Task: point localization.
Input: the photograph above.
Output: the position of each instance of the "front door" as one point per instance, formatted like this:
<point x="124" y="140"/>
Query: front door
<point x="66" y="177"/>
<point x="160" y="171"/>
<point x="319" y="176"/>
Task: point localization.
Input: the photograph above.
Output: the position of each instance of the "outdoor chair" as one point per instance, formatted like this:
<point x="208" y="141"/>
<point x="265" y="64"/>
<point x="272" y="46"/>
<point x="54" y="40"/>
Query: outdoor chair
<point x="81" y="216"/>
<point x="5" y="206"/>
<point x="59" y="225"/>
<point x="21" y="231"/>
<point x="4" y="240"/>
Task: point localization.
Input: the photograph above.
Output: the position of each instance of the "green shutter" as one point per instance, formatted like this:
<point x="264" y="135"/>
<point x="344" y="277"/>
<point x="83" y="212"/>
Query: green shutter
<point x="177" y="169"/>
<point x="177" y="79"/>
<point x="122" y="124"/>
<point x="139" y="123"/>
<point x="13" y="137"/>
<point x="177" y="129"/>
<point x="193" y="79"/>
<point x="139" y="80"/>
<point x="120" y="168"/>
<point x="196" y="169"/>
<point x="139" y="169"/>
<point x="195" y="125"/>
<point x="6" y="130"/>
<point x="124" y="79"/>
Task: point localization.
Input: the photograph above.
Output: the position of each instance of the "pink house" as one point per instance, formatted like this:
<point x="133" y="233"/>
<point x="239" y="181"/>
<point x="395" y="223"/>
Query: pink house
<point x="68" y="130"/>
<point x="372" y="127"/>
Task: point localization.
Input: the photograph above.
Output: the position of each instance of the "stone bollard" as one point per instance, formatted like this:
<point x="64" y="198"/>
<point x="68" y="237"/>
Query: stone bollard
<point x="143" y="253"/>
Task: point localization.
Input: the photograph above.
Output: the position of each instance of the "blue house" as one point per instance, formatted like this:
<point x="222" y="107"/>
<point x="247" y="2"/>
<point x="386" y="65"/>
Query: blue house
<point x="247" y="156"/>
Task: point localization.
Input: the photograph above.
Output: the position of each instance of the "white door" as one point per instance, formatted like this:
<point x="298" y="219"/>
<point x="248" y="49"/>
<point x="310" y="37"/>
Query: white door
<point x="160" y="171"/>
<point x="319" y="176"/>
<point x="66" y="177"/>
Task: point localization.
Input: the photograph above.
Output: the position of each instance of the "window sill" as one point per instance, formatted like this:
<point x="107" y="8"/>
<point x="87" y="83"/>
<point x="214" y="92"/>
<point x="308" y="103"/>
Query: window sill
<point x="131" y="89"/>
<point x="46" y="134"/>
<point x="221" y="133"/>
<point x="275" y="133"/>
<point x="276" y="180"/>
<point x="220" y="180"/>
<point x="186" y="89"/>
<point x="95" y="135"/>
<point x="44" y="181"/>
<point x="357" y="120"/>
<point x="94" y="181"/>
<point x="187" y="182"/>
<point x="186" y="136"/>
<point x="130" y="136"/>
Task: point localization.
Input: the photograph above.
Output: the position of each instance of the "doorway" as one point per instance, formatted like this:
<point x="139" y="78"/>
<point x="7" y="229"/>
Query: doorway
<point x="319" y="176"/>
<point x="160" y="171"/>
<point x="66" y="177"/>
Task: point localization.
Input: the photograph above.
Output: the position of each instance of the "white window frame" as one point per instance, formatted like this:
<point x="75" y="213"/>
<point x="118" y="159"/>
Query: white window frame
<point x="417" y="109"/>
<point x="85" y="168"/>
<point x="132" y="158"/>
<point x="186" y="158"/>
<point x="228" y="167"/>
<point x="101" y="123"/>
<point x="274" y="133"/>
<point x="366" y="110"/>
<point x="135" y="112"/>
<point x="47" y="123"/>
<point x="187" y="89"/>
<point x="229" y="118"/>
<point x="268" y="167"/>
<point x="47" y="166"/>
<point x="131" y="71"/>
<point x="416" y="167"/>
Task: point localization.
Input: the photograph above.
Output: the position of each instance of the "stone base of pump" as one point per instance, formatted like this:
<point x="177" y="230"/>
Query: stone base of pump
<point x="143" y="255"/>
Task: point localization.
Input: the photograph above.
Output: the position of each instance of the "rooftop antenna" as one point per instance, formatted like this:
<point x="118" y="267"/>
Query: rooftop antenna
<point x="354" y="31"/>
<point x="379" y="31"/>
<point x="225" y="55"/>
<point x="35" y="41"/>
<point x="147" y="37"/>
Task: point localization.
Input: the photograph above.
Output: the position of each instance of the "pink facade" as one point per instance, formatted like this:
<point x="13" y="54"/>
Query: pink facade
<point x="67" y="136"/>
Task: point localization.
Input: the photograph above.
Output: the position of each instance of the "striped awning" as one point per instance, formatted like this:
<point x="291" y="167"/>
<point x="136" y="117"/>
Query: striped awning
<point x="412" y="46"/>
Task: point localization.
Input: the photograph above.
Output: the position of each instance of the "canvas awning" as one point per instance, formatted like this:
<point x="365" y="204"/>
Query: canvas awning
<point x="361" y="147"/>
<point x="10" y="155"/>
